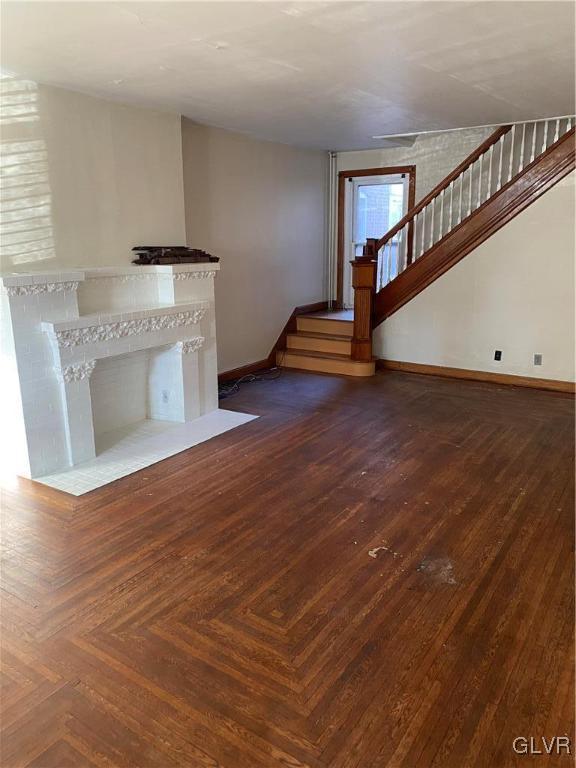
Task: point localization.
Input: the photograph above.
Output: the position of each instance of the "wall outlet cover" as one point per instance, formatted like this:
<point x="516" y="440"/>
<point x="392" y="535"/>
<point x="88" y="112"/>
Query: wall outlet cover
<point x="538" y="359"/>
<point x="498" y="354"/>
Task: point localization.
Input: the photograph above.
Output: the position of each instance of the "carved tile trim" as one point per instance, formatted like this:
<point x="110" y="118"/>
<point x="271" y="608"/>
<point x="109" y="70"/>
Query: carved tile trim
<point x="156" y="276"/>
<point x="190" y="345"/>
<point x="73" y="337"/>
<point x="35" y="288"/>
<point x="77" y="372"/>
<point x="193" y="275"/>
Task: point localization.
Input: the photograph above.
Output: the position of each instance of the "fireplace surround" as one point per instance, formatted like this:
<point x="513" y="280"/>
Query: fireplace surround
<point x="88" y="351"/>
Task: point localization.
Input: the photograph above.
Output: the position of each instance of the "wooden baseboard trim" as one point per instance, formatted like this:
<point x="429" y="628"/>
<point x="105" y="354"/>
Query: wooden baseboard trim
<point x="508" y="379"/>
<point x="244" y="370"/>
<point x="270" y="361"/>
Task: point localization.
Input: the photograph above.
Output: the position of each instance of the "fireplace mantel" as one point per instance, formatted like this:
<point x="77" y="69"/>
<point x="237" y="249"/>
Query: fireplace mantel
<point x="63" y="330"/>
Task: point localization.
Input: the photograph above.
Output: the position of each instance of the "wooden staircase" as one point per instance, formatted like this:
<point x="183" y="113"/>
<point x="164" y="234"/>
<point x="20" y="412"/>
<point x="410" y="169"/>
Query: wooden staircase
<point x="503" y="176"/>
<point x="509" y="171"/>
<point x="322" y="342"/>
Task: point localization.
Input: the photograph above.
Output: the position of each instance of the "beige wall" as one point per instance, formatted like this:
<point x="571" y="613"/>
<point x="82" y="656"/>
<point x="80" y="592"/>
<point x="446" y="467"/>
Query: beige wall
<point x="434" y="156"/>
<point x="514" y="293"/>
<point x="92" y="179"/>
<point x="260" y="207"/>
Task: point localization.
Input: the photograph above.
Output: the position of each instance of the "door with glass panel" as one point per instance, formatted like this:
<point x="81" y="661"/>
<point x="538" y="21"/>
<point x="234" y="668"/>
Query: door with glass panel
<point x="374" y="204"/>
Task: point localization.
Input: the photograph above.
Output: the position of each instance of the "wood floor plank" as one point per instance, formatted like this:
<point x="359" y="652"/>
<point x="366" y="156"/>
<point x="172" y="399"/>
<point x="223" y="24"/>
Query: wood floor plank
<point x="376" y="573"/>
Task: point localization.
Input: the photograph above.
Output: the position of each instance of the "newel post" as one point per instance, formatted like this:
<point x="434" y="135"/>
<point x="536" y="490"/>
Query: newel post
<point x="364" y="284"/>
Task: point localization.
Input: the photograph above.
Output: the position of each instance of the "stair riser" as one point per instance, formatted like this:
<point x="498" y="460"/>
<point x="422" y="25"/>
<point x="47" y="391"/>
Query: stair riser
<point x="339" y="347"/>
<point x="323" y="365"/>
<point x="319" y="325"/>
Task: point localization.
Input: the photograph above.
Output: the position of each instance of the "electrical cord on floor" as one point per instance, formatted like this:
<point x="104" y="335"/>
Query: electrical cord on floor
<point x="233" y="387"/>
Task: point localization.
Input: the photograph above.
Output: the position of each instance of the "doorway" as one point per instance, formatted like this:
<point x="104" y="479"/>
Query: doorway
<point x="370" y="202"/>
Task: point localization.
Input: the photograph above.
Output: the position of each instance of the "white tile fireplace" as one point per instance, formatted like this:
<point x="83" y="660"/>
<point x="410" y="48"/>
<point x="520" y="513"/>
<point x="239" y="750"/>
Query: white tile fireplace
<point x="106" y="368"/>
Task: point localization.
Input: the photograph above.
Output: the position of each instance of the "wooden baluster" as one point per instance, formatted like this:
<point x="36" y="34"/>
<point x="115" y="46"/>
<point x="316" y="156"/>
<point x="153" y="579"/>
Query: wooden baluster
<point x="410" y="240"/>
<point x="379" y="269"/>
<point x="522" y="148"/>
<point x="423" y="230"/>
<point x="511" y="164"/>
<point x="534" y="130"/>
<point x="442" y="212"/>
<point x="545" y="137"/>
<point x="387" y="253"/>
<point x="405" y="245"/>
<point x="500" y="161"/>
<point x="432" y="212"/>
<point x="363" y="282"/>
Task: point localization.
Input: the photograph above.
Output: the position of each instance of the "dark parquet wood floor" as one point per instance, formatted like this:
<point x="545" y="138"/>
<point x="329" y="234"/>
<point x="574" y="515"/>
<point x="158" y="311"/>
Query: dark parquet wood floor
<point x="374" y="574"/>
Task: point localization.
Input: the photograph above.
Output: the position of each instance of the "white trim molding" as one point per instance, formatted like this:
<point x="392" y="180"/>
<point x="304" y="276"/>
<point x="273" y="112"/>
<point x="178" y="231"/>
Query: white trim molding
<point x="193" y="275"/>
<point x="72" y="337"/>
<point x="127" y="278"/>
<point x="32" y="289"/>
<point x="190" y="345"/>
<point x="76" y="372"/>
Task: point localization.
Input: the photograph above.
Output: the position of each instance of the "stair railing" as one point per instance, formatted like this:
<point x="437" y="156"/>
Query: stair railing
<point x="503" y="155"/>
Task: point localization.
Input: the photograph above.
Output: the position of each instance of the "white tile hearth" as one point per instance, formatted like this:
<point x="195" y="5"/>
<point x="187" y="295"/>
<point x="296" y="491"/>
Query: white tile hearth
<point x="137" y="446"/>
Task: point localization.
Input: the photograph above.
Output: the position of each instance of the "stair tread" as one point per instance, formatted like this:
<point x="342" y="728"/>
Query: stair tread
<point x="326" y="316"/>
<point x="319" y="335"/>
<point x="313" y="353"/>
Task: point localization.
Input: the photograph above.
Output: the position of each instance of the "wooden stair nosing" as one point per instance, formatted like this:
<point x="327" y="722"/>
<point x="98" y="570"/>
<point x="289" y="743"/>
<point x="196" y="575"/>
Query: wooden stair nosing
<point x="328" y="316"/>
<point x="320" y="335"/>
<point x="314" y="353"/>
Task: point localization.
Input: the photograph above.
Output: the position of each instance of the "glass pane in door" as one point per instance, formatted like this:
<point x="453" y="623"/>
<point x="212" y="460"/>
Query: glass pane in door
<point x="376" y="209"/>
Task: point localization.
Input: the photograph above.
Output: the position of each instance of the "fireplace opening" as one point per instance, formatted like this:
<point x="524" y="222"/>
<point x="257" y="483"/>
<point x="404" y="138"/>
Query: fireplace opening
<point x="135" y="394"/>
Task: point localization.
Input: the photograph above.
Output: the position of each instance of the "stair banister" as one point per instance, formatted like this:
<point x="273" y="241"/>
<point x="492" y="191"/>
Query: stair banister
<point x="504" y="199"/>
<point x="488" y="188"/>
<point x="364" y="268"/>
<point x="493" y="139"/>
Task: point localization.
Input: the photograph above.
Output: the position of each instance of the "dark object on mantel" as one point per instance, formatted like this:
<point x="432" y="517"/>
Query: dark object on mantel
<point x="170" y="254"/>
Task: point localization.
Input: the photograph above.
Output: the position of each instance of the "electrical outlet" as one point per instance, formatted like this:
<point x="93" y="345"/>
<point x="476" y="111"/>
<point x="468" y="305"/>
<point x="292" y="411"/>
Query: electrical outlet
<point x="538" y="359"/>
<point x="165" y="396"/>
<point x="498" y="354"/>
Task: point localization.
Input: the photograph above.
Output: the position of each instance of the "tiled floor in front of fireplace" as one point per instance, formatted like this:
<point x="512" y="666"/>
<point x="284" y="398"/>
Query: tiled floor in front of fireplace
<point x="138" y="446"/>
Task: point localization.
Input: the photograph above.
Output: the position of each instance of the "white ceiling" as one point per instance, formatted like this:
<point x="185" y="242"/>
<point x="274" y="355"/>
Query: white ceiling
<point x="319" y="74"/>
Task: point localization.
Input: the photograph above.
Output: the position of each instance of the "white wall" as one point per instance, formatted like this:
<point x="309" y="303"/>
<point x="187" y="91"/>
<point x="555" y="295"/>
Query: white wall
<point x="85" y="179"/>
<point x="434" y="156"/>
<point x="514" y="293"/>
<point x="261" y="208"/>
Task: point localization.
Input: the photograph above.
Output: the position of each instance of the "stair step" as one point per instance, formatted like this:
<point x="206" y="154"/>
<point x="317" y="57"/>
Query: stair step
<point x="324" y="362"/>
<point x="317" y="335"/>
<point x="325" y="324"/>
<point x="319" y="342"/>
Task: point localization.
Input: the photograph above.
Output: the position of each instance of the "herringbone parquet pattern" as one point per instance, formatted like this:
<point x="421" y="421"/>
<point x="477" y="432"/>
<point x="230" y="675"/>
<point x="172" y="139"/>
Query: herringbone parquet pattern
<point x="374" y="574"/>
